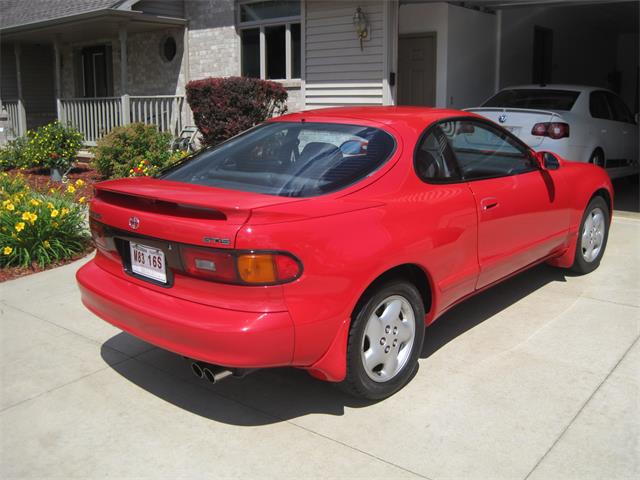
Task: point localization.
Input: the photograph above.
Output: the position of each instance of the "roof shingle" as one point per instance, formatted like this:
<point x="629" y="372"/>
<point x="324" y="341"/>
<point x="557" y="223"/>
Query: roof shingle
<point x="21" y="12"/>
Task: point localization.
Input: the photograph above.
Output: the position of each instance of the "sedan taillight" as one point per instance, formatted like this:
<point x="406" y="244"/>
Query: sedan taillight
<point x="240" y="267"/>
<point x="554" y="130"/>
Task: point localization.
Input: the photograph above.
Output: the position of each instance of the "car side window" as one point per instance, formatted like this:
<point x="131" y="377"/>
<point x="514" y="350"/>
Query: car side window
<point x="598" y="106"/>
<point x="434" y="160"/>
<point x="620" y="111"/>
<point x="483" y="151"/>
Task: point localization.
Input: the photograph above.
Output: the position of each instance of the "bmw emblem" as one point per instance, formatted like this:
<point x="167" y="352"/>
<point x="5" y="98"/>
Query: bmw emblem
<point x="502" y="118"/>
<point x="134" y="223"/>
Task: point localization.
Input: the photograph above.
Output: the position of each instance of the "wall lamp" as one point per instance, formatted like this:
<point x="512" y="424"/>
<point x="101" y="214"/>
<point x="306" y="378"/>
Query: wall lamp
<point x="361" y="24"/>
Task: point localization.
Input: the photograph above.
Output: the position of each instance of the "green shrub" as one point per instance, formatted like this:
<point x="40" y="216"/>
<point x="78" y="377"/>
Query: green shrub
<point x="132" y="150"/>
<point x="53" y="146"/>
<point x="14" y="154"/>
<point x="38" y="228"/>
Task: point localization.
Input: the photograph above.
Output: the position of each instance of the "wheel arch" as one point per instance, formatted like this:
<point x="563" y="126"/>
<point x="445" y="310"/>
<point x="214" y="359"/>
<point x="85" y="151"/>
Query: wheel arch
<point x="332" y="365"/>
<point x="407" y="271"/>
<point x="606" y="195"/>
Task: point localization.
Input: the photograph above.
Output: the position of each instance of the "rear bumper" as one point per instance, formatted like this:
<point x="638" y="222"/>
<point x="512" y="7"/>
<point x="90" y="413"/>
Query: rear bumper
<point x="224" y="337"/>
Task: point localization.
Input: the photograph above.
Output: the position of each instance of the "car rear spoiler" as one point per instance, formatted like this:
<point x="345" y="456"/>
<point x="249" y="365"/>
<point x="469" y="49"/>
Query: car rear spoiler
<point x="522" y="110"/>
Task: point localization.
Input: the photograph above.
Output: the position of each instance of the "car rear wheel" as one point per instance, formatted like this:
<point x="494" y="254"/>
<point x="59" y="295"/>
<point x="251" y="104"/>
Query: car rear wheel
<point x="597" y="157"/>
<point x="385" y="340"/>
<point x="593" y="235"/>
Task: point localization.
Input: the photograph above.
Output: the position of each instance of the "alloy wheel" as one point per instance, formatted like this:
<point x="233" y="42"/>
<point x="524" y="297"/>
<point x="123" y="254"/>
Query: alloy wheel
<point x="388" y="338"/>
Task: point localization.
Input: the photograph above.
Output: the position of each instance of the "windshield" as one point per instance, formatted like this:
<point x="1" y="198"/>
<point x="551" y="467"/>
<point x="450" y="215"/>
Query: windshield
<point x="541" y="99"/>
<point x="289" y="159"/>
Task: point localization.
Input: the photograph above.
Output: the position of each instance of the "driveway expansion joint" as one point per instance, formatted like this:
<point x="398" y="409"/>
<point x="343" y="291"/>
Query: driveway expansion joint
<point x="581" y="409"/>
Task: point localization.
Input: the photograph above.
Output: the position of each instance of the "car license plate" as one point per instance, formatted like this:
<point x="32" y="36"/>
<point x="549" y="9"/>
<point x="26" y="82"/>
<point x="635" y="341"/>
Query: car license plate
<point x="148" y="262"/>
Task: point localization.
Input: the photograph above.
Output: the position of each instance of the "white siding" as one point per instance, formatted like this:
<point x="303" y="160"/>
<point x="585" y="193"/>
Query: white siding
<point x="337" y="72"/>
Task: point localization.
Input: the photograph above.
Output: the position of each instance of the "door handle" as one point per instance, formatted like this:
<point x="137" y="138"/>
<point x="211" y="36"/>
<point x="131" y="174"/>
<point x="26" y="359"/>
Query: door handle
<point x="488" y="203"/>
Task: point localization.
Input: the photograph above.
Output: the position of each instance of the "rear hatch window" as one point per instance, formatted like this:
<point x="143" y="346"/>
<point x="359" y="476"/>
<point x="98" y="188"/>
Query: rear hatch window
<point x="289" y="159"/>
<point x="536" y="99"/>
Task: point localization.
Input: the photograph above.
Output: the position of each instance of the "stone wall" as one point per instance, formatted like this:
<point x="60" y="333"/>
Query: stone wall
<point x="214" y="46"/>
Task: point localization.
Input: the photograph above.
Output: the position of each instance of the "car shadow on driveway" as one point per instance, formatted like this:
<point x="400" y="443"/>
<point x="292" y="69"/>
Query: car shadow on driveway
<point x="276" y="395"/>
<point x="484" y="305"/>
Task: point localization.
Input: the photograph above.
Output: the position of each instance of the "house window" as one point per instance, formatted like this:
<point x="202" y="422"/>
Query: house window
<point x="270" y="38"/>
<point x="168" y="48"/>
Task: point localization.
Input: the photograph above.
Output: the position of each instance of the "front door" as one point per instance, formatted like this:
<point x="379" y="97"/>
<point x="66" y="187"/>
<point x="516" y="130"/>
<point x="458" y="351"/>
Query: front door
<point x="521" y="216"/>
<point x="97" y="76"/>
<point x="417" y="70"/>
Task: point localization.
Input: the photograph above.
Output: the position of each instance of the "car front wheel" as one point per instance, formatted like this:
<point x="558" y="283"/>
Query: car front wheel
<point x="385" y="341"/>
<point x="593" y="235"/>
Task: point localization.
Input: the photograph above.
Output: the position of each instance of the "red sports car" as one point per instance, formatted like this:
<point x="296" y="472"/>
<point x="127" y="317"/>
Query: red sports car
<point x="326" y="240"/>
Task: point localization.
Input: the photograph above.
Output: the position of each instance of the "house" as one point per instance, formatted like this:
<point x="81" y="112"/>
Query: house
<point x="101" y="63"/>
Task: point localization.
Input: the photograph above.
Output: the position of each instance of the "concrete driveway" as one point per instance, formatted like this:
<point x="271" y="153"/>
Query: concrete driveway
<point x="537" y="378"/>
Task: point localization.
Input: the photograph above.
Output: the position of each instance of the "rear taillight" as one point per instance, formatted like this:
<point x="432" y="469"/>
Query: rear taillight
<point x="240" y="267"/>
<point x="209" y="264"/>
<point x="102" y="240"/>
<point x="98" y="234"/>
<point x="554" y="130"/>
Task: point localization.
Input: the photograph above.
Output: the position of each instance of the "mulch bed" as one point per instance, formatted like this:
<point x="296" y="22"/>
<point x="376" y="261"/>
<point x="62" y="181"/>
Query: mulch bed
<point x="9" y="273"/>
<point x="40" y="180"/>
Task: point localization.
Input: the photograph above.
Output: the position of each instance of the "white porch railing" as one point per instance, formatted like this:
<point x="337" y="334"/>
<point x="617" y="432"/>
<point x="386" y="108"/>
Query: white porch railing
<point x="164" y="111"/>
<point x="17" y="122"/>
<point x="95" y="117"/>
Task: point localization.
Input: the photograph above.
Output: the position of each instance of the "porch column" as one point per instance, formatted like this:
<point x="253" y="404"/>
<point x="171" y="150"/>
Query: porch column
<point x="22" y="113"/>
<point x="124" y="87"/>
<point x="58" y="78"/>
<point x="124" y="84"/>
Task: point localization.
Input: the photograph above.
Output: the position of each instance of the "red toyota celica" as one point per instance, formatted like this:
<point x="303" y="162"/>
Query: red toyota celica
<point x="326" y="240"/>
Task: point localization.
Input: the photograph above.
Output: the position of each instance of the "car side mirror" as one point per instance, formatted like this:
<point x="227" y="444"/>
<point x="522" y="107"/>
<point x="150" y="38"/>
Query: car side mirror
<point x="539" y="158"/>
<point x="547" y="161"/>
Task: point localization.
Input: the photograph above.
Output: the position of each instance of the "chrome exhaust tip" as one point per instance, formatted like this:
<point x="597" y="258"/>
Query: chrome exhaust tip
<point x="197" y="369"/>
<point x="214" y="375"/>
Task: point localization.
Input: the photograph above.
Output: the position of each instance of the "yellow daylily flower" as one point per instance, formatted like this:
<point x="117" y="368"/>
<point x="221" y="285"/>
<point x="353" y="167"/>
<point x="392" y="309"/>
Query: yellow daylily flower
<point x="10" y="207"/>
<point x="46" y="244"/>
<point x="50" y="205"/>
<point x="29" y="217"/>
<point x="7" y="250"/>
<point x="71" y="189"/>
<point x="54" y="213"/>
<point x="81" y="199"/>
<point x="79" y="182"/>
<point x="19" y="226"/>
<point x="64" y="211"/>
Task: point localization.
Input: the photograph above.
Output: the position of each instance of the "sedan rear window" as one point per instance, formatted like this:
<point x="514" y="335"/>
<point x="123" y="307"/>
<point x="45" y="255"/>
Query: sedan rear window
<point x="541" y="99"/>
<point x="289" y="159"/>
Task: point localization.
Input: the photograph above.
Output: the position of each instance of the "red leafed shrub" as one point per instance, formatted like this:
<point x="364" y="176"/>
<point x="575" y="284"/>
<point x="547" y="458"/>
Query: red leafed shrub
<point x="224" y="107"/>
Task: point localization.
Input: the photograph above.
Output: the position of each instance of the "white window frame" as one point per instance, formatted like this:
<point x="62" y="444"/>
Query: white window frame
<point x="271" y="22"/>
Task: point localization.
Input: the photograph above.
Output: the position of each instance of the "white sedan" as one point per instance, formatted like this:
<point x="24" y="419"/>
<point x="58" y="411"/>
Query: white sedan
<point x="585" y="124"/>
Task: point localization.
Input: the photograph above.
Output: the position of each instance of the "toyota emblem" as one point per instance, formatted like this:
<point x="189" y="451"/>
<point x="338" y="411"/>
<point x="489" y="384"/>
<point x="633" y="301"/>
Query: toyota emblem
<point x="502" y="118"/>
<point x="134" y="223"/>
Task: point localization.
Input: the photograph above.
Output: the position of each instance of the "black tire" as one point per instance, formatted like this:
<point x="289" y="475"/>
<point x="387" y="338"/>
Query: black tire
<point x="597" y="157"/>
<point x="581" y="264"/>
<point x="358" y="382"/>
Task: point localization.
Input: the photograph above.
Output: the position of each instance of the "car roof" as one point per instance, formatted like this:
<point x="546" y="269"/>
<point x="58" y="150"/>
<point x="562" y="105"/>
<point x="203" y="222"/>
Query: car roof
<point x="555" y="86"/>
<point x="386" y="115"/>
